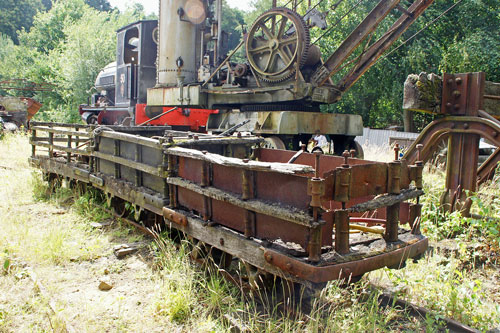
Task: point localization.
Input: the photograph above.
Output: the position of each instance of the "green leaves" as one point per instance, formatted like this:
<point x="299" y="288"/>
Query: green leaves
<point x="16" y="15"/>
<point x="67" y="46"/>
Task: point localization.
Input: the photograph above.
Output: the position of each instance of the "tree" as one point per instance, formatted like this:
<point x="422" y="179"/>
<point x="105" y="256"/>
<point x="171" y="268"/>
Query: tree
<point x="101" y="5"/>
<point x="231" y="23"/>
<point x="16" y="15"/>
<point x="48" y="27"/>
<point x="67" y="46"/>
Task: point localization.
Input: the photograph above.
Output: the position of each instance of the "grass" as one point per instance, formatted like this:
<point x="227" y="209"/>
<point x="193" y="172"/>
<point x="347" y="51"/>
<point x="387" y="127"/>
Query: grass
<point x="48" y="230"/>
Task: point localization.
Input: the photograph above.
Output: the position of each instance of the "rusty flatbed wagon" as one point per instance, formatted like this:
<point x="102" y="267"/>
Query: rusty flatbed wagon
<point x="305" y="220"/>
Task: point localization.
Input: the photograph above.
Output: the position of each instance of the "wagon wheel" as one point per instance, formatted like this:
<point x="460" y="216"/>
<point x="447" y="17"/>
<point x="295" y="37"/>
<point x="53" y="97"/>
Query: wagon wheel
<point x="273" y="142"/>
<point x="276" y="41"/>
<point x="117" y="205"/>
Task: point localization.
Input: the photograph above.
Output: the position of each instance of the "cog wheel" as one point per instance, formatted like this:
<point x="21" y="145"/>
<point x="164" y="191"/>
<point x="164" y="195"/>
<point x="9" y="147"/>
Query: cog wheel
<point x="277" y="40"/>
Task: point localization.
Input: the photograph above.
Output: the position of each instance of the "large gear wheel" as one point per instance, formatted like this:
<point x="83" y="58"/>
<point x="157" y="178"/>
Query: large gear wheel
<point x="277" y="40"/>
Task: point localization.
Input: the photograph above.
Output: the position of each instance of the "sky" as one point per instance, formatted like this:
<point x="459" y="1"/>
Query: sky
<point x="151" y="6"/>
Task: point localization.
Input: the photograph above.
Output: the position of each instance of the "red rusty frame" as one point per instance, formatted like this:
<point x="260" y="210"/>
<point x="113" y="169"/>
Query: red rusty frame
<point x="268" y="201"/>
<point x="465" y="123"/>
<point x="344" y="270"/>
<point x="361" y="182"/>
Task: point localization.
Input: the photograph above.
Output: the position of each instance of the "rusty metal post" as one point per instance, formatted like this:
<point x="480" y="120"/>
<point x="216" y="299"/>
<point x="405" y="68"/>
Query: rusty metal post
<point x="341" y="216"/>
<point x="314" y="245"/>
<point x="164" y="168"/>
<point x="419" y="179"/>
<point x="77" y="138"/>
<point x="392" y="226"/>
<point x="316" y="189"/>
<point x="206" y="181"/>
<point x="117" y="153"/>
<point x="249" y="224"/>
<point x="138" y="158"/>
<point x="246" y="188"/>
<point x="68" y="154"/>
<point x="172" y="189"/>
<point x="415" y="218"/>
<point x="51" y="144"/>
<point x="393" y="187"/>
<point x="33" y="143"/>
<point x="341" y="221"/>
<point x="463" y="95"/>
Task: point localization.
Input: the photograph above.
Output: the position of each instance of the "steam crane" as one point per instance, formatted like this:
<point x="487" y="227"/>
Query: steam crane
<point x="284" y="79"/>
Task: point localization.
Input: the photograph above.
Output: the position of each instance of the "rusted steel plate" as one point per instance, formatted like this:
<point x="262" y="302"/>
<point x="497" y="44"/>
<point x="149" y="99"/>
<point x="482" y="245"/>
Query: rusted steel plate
<point x="327" y="162"/>
<point x="228" y="215"/>
<point x="284" y="212"/>
<point x="190" y="200"/>
<point x="286" y="189"/>
<point x="266" y="227"/>
<point x="271" y="228"/>
<point x="227" y="178"/>
<point x="318" y="274"/>
<point x="462" y="94"/>
<point x="190" y="169"/>
<point x="175" y="216"/>
<point x="368" y="180"/>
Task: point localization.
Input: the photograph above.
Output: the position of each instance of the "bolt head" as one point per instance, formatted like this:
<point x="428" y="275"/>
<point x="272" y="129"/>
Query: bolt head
<point x="458" y="80"/>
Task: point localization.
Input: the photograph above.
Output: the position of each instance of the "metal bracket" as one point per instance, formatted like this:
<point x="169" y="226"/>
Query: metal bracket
<point x="175" y="217"/>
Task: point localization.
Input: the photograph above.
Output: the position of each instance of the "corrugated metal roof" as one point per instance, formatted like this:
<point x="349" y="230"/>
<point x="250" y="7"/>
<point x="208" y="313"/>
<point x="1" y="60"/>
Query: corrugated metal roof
<point x="382" y="138"/>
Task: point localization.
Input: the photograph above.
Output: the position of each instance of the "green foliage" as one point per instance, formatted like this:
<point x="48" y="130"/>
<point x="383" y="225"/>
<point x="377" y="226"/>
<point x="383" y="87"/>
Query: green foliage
<point x="71" y="41"/>
<point x="48" y="27"/>
<point x="17" y="14"/>
<point x="67" y="46"/>
<point x="101" y="5"/>
<point x="465" y="39"/>
<point x="482" y="226"/>
<point x="439" y="283"/>
<point x="231" y="24"/>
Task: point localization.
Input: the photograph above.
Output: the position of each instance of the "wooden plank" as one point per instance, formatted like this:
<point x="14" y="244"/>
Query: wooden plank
<point x="236" y="162"/>
<point x="52" y="124"/>
<point x="61" y="131"/>
<point x="386" y="200"/>
<point x="61" y="148"/>
<point x="250" y="250"/>
<point x="131" y="164"/>
<point x="290" y="214"/>
<point x="215" y="141"/>
<point x="140" y="140"/>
